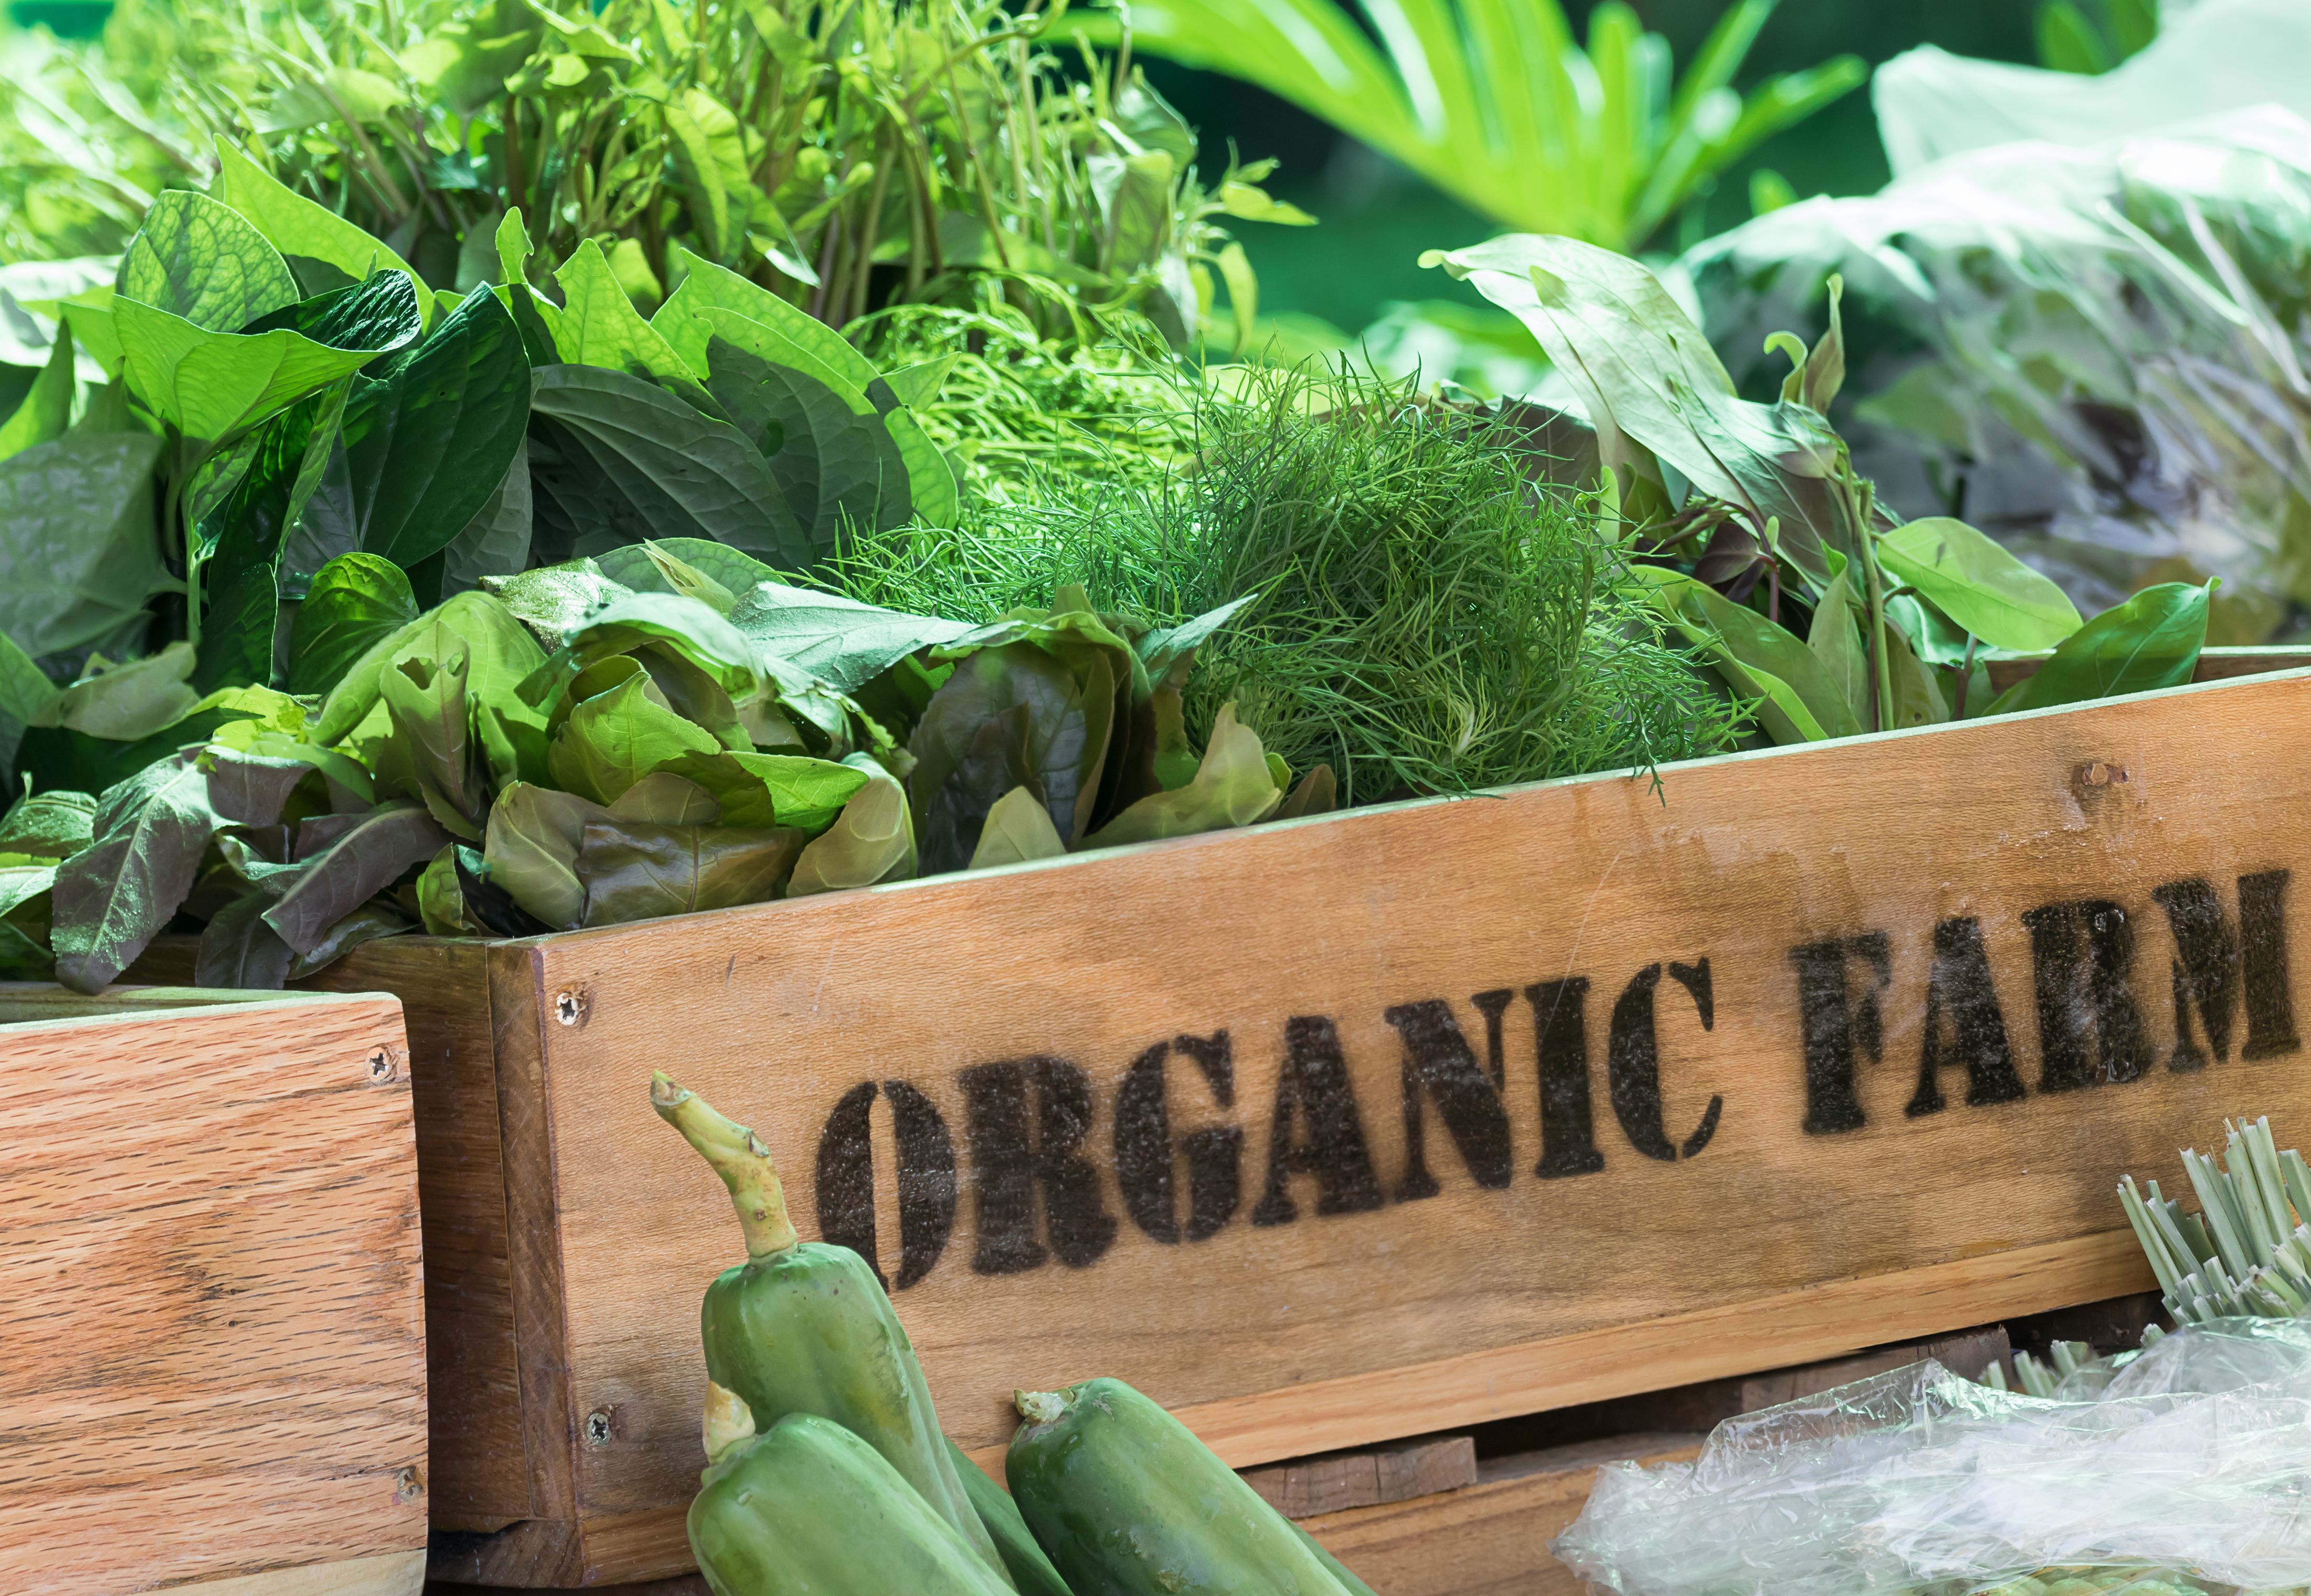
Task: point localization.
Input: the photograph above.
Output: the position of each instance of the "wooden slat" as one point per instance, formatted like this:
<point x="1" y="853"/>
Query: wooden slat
<point x="1491" y="1539"/>
<point x="1337" y="1481"/>
<point x="211" y="1342"/>
<point x="1770" y="1244"/>
<point x="397" y="1574"/>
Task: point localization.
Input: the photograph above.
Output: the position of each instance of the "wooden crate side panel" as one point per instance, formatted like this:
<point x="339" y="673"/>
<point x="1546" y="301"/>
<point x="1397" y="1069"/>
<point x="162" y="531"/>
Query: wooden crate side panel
<point x="212" y="1339"/>
<point x="1723" y="1000"/>
<point x="479" y="1475"/>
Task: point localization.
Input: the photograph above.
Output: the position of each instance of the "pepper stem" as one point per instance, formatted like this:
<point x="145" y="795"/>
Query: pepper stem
<point x="739" y="1156"/>
<point x="1042" y="1407"/>
<point x="729" y="1422"/>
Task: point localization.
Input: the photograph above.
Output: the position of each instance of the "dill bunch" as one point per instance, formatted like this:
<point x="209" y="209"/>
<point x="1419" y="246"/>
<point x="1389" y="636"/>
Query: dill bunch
<point x="1015" y="407"/>
<point x="1427" y="620"/>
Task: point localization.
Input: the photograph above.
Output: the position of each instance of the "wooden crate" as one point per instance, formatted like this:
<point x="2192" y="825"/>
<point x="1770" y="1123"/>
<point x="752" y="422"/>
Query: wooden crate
<point x="212" y="1348"/>
<point x="1378" y="1124"/>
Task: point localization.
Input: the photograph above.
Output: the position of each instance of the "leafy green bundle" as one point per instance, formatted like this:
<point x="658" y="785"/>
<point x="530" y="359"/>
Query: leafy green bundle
<point x="666" y="729"/>
<point x="1427" y="620"/>
<point x="1753" y="524"/>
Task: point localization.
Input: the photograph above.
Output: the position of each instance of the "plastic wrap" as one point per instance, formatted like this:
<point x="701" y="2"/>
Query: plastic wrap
<point x="2191" y="1469"/>
<point x="2098" y="354"/>
<point x="2214" y="57"/>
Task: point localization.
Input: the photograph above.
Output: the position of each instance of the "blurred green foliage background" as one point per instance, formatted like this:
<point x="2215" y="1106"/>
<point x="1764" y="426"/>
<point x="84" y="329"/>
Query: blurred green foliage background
<point x="1375" y="218"/>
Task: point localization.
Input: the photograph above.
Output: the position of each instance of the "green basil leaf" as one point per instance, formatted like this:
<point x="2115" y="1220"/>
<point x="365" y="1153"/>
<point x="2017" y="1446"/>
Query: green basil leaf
<point x="113" y="898"/>
<point x="600" y="326"/>
<point x="838" y="640"/>
<point x="2150" y="642"/>
<point x="1977" y="584"/>
<point x="45" y="412"/>
<point x="531" y="845"/>
<point x="1232" y="786"/>
<point x="872" y="840"/>
<point x="761" y="789"/>
<point x="613" y="739"/>
<point x="369" y="857"/>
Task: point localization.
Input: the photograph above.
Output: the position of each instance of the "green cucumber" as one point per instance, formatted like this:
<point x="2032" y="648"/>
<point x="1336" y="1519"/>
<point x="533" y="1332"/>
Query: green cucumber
<point x="1031" y="1570"/>
<point x="1127" y="1503"/>
<point x="1341" y="1571"/>
<point x="802" y="1326"/>
<point x="810" y="1507"/>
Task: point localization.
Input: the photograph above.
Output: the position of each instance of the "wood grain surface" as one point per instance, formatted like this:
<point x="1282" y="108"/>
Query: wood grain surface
<point x="396" y="1574"/>
<point x="481" y="1472"/>
<point x="1337" y="1130"/>
<point x="212" y="1340"/>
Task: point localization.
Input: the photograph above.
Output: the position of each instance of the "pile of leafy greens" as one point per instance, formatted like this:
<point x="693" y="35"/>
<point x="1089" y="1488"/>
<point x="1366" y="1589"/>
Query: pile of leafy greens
<point x="665" y="729"/>
<point x="1425" y="619"/>
<point x="1765" y="549"/>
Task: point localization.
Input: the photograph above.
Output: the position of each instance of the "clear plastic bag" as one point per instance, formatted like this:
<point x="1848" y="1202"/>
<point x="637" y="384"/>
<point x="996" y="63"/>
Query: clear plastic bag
<point x="2189" y="1470"/>
<point x="2099" y="355"/>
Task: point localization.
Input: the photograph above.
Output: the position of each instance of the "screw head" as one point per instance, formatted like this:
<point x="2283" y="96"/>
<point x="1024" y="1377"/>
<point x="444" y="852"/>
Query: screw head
<point x="598" y="1427"/>
<point x="383" y="1065"/>
<point x="569" y="1005"/>
<point x="408" y="1485"/>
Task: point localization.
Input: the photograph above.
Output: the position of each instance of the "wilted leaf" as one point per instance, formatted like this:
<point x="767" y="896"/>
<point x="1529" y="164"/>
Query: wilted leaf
<point x="1233" y="787"/>
<point x="637" y="871"/>
<point x="370" y="857"/>
<point x="424" y="687"/>
<point x="532" y="850"/>
<point x="872" y="840"/>
<point x="1018" y="829"/>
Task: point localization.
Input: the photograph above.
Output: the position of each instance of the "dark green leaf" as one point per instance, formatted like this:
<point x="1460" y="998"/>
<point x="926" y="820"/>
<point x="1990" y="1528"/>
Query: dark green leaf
<point x="371" y="856"/>
<point x="1756" y="656"/>
<point x="367" y="923"/>
<point x="355" y="601"/>
<point x="198" y="259"/>
<point x="241" y="538"/>
<point x="427" y="444"/>
<point x="45" y="411"/>
<point x="837" y="465"/>
<point x="496" y="541"/>
<point x="2152" y="641"/>
<point x="1010" y="716"/>
<point x="239" y="949"/>
<point x="637" y="871"/>
<point x="114" y="897"/>
<point x="838" y="640"/>
<point x="617" y="459"/>
<point x="79" y="553"/>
